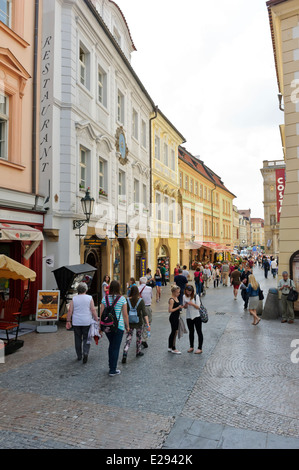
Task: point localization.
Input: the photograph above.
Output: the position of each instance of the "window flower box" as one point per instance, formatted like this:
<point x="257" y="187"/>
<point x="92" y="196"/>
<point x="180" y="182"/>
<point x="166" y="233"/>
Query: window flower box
<point x="103" y="193"/>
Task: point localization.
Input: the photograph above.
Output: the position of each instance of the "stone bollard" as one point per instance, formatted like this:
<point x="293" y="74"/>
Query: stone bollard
<point x="273" y="307"/>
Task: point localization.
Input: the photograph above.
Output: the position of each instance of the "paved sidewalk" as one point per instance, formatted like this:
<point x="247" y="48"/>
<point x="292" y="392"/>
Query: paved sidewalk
<point x="247" y="395"/>
<point x="190" y="433"/>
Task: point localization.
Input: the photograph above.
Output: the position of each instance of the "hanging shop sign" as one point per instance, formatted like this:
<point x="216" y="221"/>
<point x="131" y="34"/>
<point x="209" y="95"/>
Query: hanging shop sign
<point x="95" y="242"/>
<point x="280" y="188"/>
<point x="121" y="230"/>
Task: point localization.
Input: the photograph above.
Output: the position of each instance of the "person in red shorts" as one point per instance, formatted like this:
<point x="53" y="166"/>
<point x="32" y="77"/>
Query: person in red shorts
<point x="235" y="281"/>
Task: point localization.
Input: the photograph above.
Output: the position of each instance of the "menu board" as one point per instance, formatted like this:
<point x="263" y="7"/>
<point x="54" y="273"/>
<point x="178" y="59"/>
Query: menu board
<point x="47" y="305"/>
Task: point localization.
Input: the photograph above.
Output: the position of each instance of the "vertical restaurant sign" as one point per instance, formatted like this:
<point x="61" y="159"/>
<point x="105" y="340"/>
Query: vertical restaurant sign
<point x="46" y="98"/>
<point x="280" y="188"/>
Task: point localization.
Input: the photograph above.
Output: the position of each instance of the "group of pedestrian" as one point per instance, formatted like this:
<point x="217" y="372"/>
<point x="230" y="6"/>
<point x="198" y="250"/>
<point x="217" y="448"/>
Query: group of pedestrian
<point x="134" y="313"/>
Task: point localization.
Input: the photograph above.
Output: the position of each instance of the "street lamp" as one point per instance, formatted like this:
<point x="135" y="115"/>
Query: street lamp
<point x="87" y="206"/>
<point x="87" y="203"/>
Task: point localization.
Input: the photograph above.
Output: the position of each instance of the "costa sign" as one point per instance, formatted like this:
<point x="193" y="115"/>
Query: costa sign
<point x="280" y="188"/>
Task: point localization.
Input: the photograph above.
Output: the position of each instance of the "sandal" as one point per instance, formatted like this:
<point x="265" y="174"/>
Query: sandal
<point x="190" y="350"/>
<point x="198" y="351"/>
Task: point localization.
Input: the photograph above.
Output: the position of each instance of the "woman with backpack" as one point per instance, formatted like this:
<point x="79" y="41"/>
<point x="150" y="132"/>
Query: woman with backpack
<point x="192" y="303"/>
<point x="138" y="319"/>
<point x="114" y="321"/>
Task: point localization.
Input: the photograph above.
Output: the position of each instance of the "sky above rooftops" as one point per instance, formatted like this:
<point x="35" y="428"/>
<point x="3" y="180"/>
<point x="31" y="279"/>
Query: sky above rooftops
<point x="210" y="68"/>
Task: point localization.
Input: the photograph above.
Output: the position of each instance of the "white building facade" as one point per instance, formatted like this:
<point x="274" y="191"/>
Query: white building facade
<point x="94" y="134"/>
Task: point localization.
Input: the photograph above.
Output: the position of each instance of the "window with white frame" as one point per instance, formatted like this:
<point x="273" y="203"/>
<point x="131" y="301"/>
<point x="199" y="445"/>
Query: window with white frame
<point x="136" y="191"/>
<point x="4" y="122"/>
<point x="84" y="64"/>
<point x="166" y="209"/>
<point x="206" y="228"/>
<point x="192" y="224"/>
<point x="143" y="133"/>
<point x="181" y="179"/>
<point x="166" y="154"/>
<point x="5" y="12"/>
<point x="158" y="207"/>
<point x="157" y="148"/>
<point x="172" y="209"/>
<point x="83" y="167"/>
<point x="135" y="118"/>
<point x="122" y="186"/>
<point x="144" y="195"/>
<point x="117" y="36"/>
<point x="120" y="107"/>
<point x="187" y="183"/>
<point x="102" y="86"/>
<point x="191" y="186"/>
<point x="201" y="191"/>
<point x="103" y="177"/>
<point x="196" y="188"/>
<point x="172" y="160"/>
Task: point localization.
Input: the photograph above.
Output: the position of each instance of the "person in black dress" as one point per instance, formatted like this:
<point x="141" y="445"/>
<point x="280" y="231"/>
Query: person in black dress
<point x="175" y="309"/>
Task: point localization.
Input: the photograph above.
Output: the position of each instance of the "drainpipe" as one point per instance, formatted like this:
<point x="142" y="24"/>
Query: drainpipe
<point x="34" y="107"/>
<point x="212" y="210"/>
<point x="150" y="150"/>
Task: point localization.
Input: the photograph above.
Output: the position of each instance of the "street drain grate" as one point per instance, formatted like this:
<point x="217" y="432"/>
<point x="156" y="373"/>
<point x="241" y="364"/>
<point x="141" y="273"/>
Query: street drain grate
<point x="220" y="313"/>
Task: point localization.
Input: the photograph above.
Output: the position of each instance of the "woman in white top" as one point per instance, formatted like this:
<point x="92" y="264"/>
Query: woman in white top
<point x="80" y="314"/>
<point x="192" y="303"/>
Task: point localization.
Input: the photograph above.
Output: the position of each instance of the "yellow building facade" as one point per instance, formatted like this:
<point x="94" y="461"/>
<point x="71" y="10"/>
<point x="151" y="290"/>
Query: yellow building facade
<point x="284" y="23"/>
<point x="207" y="212"/>
<point x="165" y="226"/>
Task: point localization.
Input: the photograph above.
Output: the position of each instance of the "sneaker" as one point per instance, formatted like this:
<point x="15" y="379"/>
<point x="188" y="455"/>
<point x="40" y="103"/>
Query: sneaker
<point x="117" y="372"/>
<point x="144" y="344"/>
<point x="169" y="350"/>
<point x="291" y="321"/>
<point x="176" y="351"/>
<point x="140" y="354"/>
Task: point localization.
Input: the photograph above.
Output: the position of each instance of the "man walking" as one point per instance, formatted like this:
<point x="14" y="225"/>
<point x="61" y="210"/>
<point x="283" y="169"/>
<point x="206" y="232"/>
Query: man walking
<point x="285" y="285"/>
<point x="244" y="278"/>
<point x="163" y="273"/>
<point x="225" y="273"/>
<point x="146" y="293"/>
<point x="181" y="282"/>
<point x="274" y="268"/>
<point x="266" y="266"/>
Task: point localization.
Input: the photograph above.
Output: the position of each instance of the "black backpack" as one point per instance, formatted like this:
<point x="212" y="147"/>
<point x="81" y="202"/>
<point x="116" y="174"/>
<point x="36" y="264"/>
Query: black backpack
<point x="109" y="321"/>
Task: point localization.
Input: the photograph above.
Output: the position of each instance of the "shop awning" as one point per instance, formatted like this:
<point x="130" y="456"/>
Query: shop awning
<point x="11" y="269"/>
<point x="21" y="233"/>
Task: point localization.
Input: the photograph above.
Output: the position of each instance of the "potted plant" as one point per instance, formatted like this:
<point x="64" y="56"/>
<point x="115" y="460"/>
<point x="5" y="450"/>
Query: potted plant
<point x="102" y="193"/>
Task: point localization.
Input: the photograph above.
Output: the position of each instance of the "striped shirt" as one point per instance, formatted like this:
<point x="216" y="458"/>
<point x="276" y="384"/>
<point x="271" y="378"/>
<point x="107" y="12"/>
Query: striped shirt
<point x="118" y="309"/>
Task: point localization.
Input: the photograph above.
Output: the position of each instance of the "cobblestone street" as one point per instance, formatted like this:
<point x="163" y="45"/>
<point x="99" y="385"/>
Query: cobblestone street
<point x="244" y="380"/>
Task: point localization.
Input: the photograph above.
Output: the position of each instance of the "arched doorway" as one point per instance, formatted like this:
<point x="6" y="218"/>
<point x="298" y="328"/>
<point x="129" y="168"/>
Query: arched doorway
<point x="140" y="259"/>
<point x="121" y="262"/>
<point x="164" y="260"/>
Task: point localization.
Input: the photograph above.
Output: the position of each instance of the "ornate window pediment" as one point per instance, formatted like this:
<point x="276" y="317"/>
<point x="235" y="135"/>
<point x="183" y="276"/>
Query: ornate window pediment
<point x="9" y="65"/>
